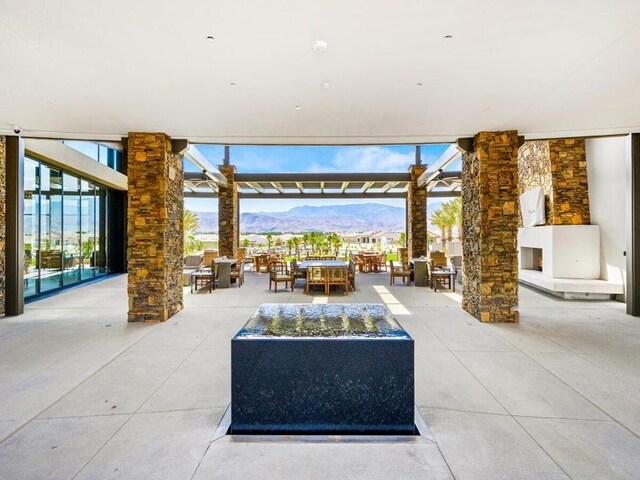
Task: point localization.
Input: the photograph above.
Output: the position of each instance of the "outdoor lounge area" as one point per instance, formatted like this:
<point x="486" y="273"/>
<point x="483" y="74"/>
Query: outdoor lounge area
<point x="299" y="240"/>
<point x="87" y="395"/>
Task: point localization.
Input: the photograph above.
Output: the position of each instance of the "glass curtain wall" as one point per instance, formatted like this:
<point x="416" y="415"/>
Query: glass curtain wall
<point x="64" y="229"/>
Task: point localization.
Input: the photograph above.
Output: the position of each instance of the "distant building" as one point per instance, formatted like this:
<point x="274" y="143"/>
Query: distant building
<point x="383" y="239"/>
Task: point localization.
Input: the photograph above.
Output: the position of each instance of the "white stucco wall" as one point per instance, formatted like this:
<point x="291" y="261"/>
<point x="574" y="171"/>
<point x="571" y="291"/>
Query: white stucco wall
<point x="606" y="171"/>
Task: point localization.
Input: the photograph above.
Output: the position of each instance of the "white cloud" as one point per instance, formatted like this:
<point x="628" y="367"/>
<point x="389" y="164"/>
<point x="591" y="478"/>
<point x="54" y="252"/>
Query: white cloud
<point x="371" y="159"/>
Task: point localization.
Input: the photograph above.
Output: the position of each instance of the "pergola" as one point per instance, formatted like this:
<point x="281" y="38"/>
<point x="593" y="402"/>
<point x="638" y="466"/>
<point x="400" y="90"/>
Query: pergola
<point x="356" y="185"/>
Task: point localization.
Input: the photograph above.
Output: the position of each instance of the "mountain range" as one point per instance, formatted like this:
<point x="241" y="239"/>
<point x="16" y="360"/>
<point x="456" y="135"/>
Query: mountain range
<point x="360" y="217"/>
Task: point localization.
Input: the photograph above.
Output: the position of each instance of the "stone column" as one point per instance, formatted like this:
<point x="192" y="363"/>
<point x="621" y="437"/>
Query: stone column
<point x="490" y="227"/>
<point x="154" y="228"/>
<point x="3" y="219"/>
<point x="416" y="214"/>
<point x="228" y="213"/>
<point x="559" y="166"/>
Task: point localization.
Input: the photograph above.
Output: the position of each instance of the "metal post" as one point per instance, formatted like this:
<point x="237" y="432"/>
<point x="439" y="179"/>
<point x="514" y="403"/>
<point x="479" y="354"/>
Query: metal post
<point x="14" y="287"/>
<point x="226" y="160"/>
<point x="633" y="230"/>
<point x="418" y="155"/>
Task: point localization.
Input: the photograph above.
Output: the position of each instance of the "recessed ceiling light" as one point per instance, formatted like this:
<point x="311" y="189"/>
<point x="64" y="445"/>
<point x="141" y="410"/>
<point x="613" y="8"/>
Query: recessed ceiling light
<point x="211" y="38"/>
<point x="233" y="84"/>
<point x="419" y="84"/>
<point x="319" y="46"/>
<point x="325" y="85"/>
<point x="297" y="107"/>
<point x="49" y="104"/>
<point x="448" y="37"/>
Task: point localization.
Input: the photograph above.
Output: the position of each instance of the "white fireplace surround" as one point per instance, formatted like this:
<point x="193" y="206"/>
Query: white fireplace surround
<point x="570" y="261"/>
<point x="568" y="251"/>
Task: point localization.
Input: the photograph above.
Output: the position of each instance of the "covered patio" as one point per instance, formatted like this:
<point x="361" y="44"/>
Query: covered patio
<point x="87" y="394"/>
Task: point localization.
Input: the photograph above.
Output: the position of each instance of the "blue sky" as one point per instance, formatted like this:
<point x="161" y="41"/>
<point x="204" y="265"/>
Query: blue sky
<point x="260" y="159"/>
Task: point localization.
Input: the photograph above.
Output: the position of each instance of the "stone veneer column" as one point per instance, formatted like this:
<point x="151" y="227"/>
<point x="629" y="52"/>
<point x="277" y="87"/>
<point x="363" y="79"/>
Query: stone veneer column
<point x="154" y="228"/>
<point x="3" y="220"/>
<point x="490" y="226"/>
<point x="416" y="214"/>
<point x="228" y="210"/>
<point x="560" y="167"/>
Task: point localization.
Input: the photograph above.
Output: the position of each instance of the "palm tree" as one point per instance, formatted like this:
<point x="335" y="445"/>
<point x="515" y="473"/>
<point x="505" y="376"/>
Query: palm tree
<point x="313" y="241"/>
<point x="190" y="225"/>
<point x="269" y="240"/>
<point x="453" y="213"/>
<point x="402" y="241"/>
<point x="290" y="245"/>
<point x="439" y="219"/>
<point x="335" y="241"/>
<point x="296" y="244"/>
<point x="305" y="240"/>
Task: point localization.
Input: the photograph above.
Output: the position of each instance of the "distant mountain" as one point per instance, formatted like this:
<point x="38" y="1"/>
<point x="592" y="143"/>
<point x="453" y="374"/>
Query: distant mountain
<point x="331" y="218"/>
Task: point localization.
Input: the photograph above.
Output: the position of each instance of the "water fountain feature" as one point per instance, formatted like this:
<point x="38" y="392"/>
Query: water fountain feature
<point x="322" y="368"/>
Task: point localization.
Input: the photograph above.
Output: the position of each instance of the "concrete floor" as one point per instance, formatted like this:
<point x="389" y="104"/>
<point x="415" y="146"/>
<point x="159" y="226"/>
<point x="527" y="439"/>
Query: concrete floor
<point x="85" y="395"/>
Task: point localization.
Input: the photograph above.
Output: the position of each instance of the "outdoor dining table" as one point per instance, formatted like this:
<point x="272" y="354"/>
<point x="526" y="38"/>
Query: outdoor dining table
<point x="321" y="263"/>
<point x="370" y="261"/>
<point x="224" y="271"/>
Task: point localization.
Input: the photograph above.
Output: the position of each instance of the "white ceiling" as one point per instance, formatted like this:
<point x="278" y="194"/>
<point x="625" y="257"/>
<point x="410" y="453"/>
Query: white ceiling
<point x="99" y="69"/>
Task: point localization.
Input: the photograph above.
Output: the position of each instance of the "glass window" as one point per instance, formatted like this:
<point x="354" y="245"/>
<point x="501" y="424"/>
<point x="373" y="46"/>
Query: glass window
<point x="65" y="228"/>
<point x="101" y="230"/>
<point x="50" y="255"/>
<point x="71" y="229"/>
<point x="87" y="230"/>
<point x="100" y="153"/>
<point x="103" y="154"/>
<point x="31" y="226"/>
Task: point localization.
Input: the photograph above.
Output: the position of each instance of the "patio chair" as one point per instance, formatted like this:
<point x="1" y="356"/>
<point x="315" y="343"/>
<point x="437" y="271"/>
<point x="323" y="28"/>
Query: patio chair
<point x="279" y="273"/>
<point x="403" y="255"/>
<point x="359" y="261"/>
<point x="438" y="276"/>
<point x="209" y="256"/>
<point x="381" y="264"/>
<point x="338" y="276"/>
<point x="204" y="276"/>
<point x="296" y="272"/>
<point x="191" y="264"/>
<point x="352" y="273"/>
<point x="456" y="264"/>
<point x="238" y="273"/>
<point x="402" y="270"/>
<point x="261" y="261"/>
<point x="317" y="275"/>
<point x="438" y="259"/>
<point x="241" y="253"/>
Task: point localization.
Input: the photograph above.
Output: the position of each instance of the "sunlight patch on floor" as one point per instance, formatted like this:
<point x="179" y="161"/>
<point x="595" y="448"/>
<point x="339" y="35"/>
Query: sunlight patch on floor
<point x="453" y="296"/>
<point x="320" y="300"/>
<point x="392" y="303"/>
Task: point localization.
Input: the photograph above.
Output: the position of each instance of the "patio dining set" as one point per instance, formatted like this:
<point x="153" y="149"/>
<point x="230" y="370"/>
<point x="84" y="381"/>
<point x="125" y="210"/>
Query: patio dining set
<point x="213" y="271"/>
<point x="324" y="271"/>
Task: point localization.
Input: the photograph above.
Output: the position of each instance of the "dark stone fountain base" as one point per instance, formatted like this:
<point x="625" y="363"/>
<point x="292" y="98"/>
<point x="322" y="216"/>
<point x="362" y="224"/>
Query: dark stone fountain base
<point x="341" y="384"/>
